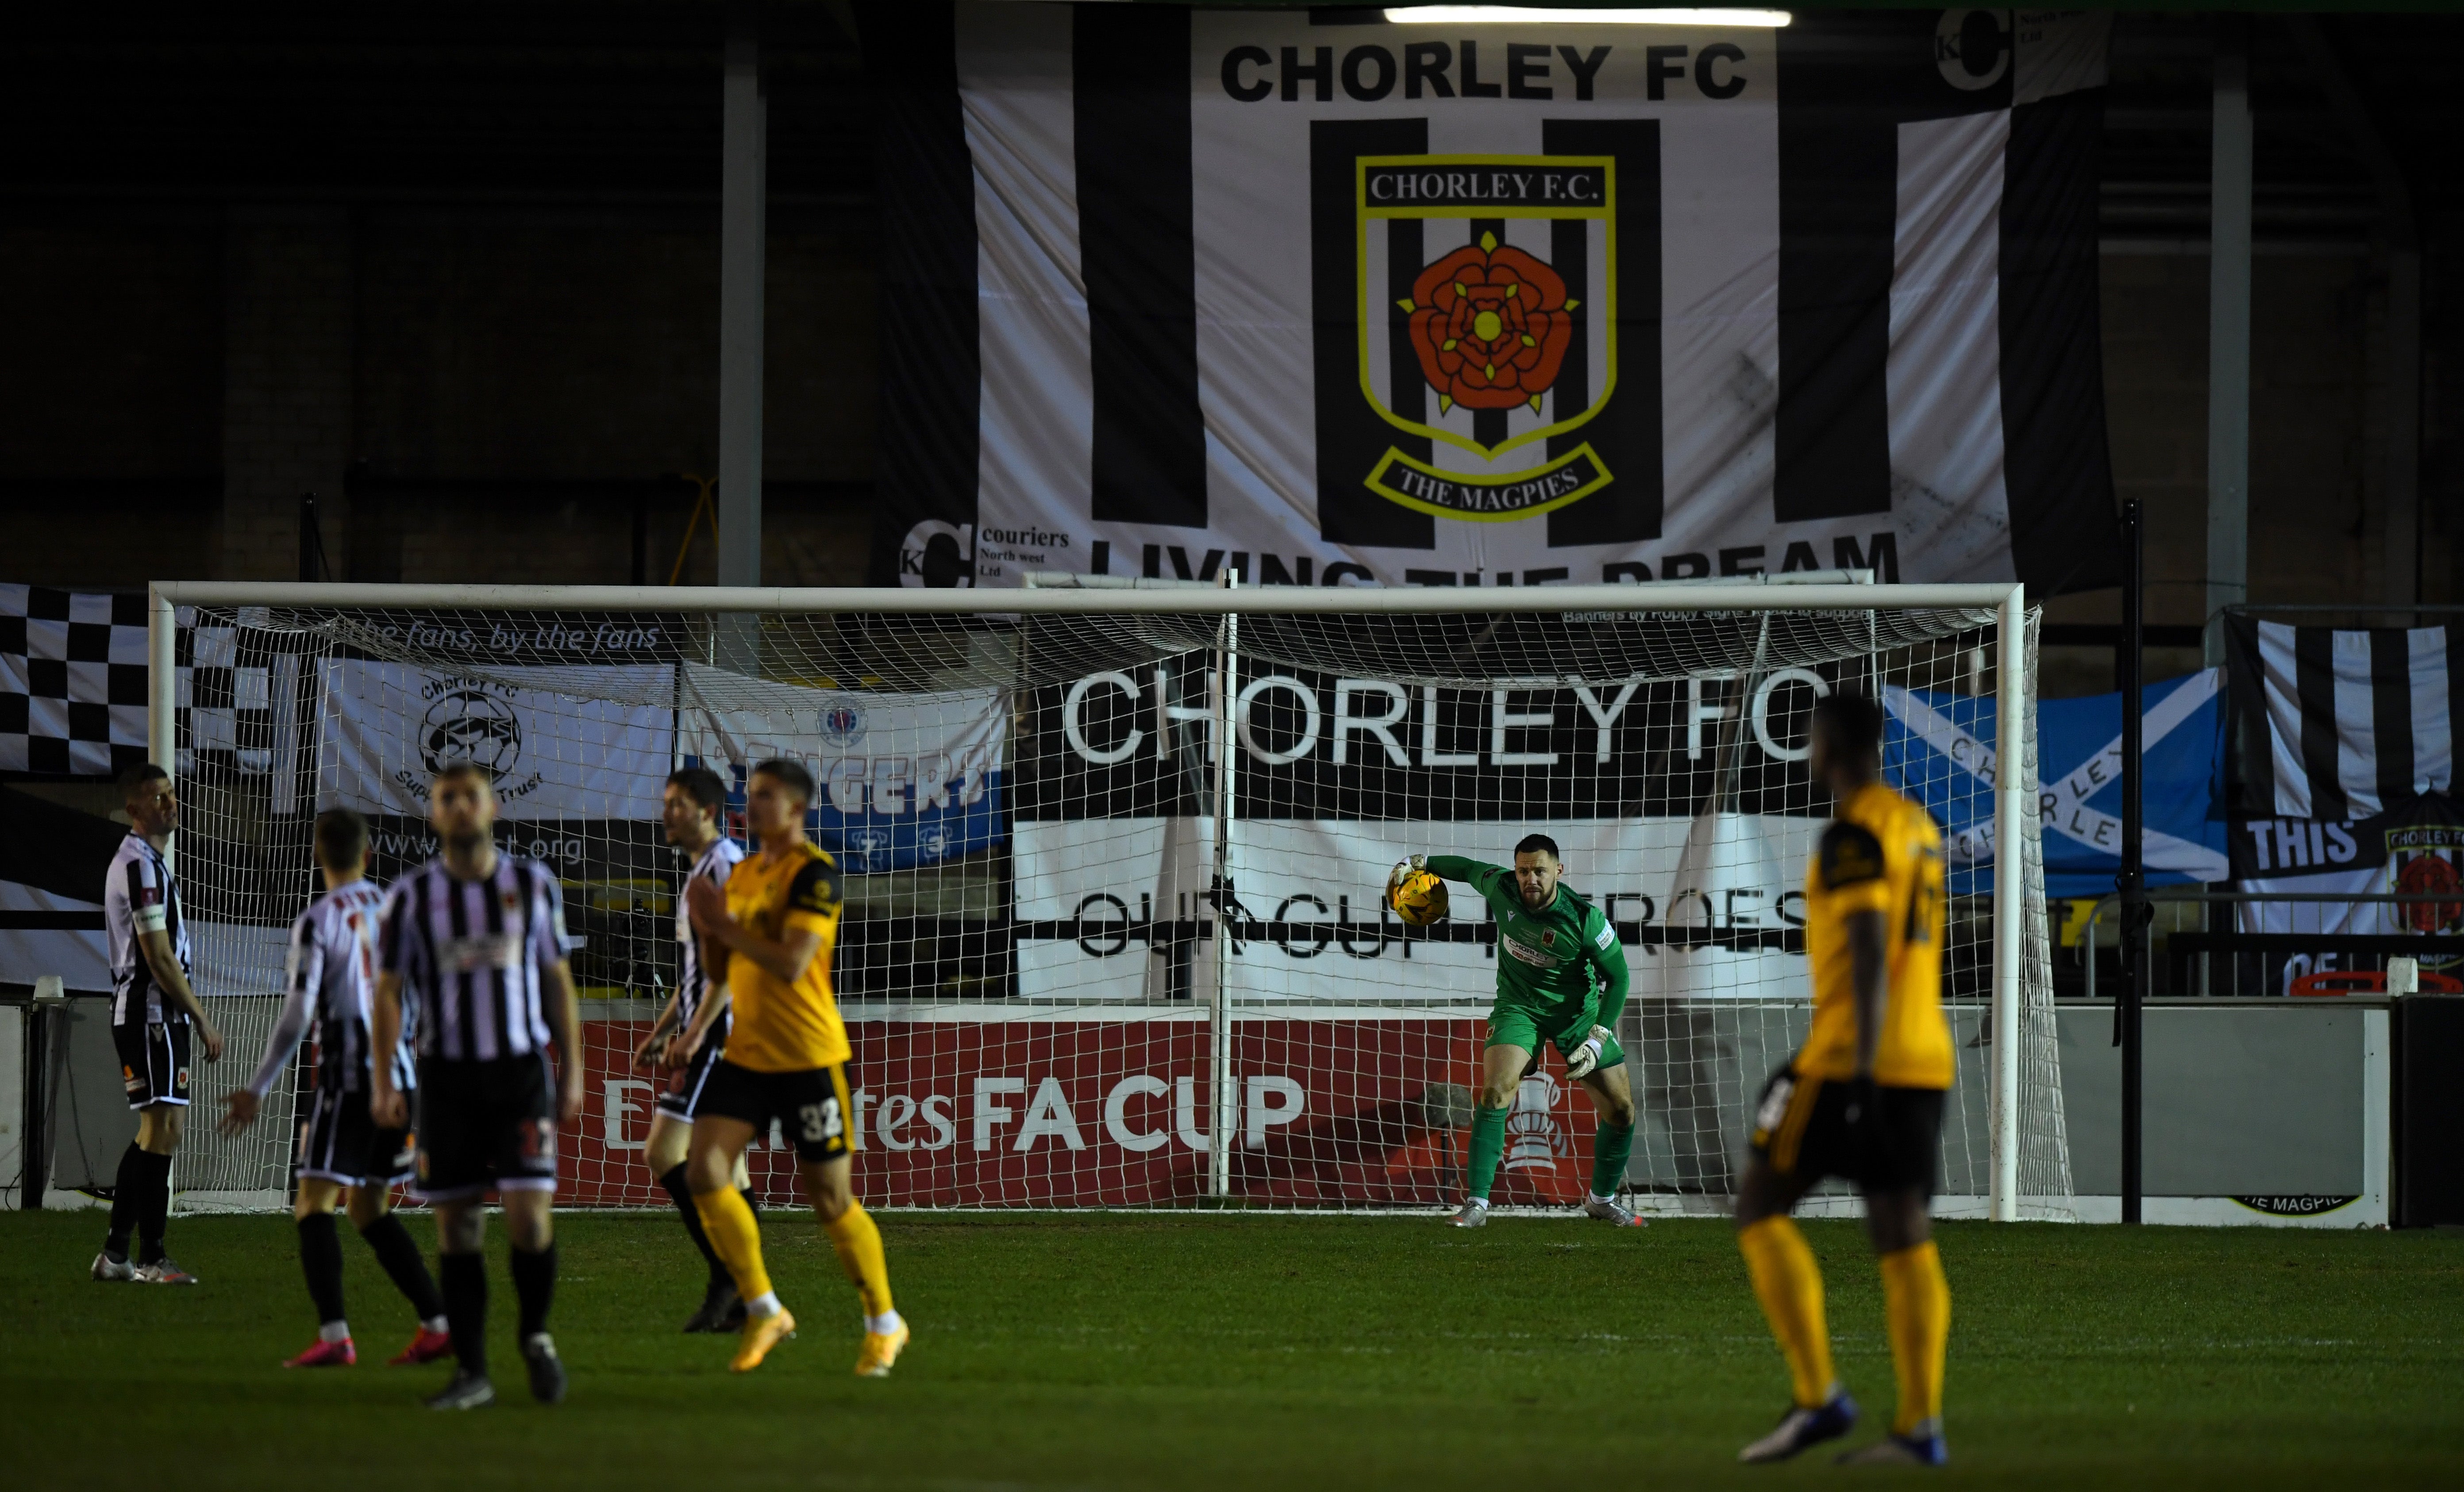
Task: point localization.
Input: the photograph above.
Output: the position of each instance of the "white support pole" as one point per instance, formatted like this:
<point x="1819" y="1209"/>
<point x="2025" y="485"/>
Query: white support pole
<point x="1223" y="1129"/>
<point x="163" y="692"/>
<point x="162" y="721"/>
<point x="2015" y="798"/>
<point x="742" y="242"/>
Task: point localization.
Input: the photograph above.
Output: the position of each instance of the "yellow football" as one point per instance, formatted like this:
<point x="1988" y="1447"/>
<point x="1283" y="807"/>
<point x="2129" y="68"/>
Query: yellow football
<point x="1419" y="898"/>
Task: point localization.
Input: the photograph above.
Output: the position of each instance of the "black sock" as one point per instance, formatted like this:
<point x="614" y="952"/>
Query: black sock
<point x="403" y="1266"/>
<point x="320" y="1260"/>
<point x="674" y="1179"/>
<point x="534" y="1286"/>
<point x="466" y="1309"/>
<point x="125" y="1196"/>
<point x="154" y="1207"/>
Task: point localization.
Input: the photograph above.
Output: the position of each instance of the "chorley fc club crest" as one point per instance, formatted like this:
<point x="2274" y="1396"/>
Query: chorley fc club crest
<point x="468" y="720"/>
<point x="1508" y="325"/>
<point x="1481" y="354"/>
<point x="2427" y="860"/>
<point x="471" y="725"/>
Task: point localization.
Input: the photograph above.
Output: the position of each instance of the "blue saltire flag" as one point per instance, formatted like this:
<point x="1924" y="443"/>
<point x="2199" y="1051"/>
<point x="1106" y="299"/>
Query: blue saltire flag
<point x="1937" y="750"/>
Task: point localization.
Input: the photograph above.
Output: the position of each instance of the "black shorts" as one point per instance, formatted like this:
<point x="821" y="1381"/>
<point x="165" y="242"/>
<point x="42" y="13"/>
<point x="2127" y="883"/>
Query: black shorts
<point x="810" y="1105"/>
<point x="341" y="1142"/>
<point x="153" y="1061"/>
<point x="1801" y="1129"/>
<point x="684" y="1090"/>
<point x="486" y="1125"/>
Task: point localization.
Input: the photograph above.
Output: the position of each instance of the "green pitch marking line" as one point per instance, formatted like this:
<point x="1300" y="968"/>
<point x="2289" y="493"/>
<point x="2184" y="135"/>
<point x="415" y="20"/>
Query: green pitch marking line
<point x="1226" y="1351"/>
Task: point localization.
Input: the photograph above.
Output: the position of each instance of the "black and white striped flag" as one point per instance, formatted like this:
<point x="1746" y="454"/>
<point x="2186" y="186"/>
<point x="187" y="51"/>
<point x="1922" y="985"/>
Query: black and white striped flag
<point x="1325" y="298"/>
<point x="2338" y="725"/>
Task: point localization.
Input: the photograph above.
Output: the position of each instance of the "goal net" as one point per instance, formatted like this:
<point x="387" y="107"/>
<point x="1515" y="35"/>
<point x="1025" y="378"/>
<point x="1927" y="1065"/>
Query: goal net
<point x="1115" y="932"/>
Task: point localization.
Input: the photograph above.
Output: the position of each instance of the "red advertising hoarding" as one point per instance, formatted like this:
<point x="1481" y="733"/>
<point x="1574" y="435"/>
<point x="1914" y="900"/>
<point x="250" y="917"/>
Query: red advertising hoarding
<point x="1115" y="1112"/>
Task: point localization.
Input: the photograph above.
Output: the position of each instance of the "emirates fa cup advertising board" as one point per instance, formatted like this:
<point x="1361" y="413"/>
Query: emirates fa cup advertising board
<point x="1116" y="1113"/>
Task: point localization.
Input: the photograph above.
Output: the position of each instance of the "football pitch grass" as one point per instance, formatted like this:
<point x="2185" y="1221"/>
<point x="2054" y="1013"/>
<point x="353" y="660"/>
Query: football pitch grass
<point x="1226" y="1349"/>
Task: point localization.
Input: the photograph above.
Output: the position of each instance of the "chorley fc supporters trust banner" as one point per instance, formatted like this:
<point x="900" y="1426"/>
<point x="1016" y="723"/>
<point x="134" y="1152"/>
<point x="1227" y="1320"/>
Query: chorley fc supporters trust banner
<point x="395" y="727"/>
<point x="1325" y="300"/>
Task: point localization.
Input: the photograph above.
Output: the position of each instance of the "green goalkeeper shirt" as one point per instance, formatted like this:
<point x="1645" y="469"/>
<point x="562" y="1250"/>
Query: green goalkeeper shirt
<point x="1546" y="960"/>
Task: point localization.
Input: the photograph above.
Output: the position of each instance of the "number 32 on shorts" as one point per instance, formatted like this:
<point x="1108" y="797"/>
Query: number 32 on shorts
<point x="821" y="1122"/>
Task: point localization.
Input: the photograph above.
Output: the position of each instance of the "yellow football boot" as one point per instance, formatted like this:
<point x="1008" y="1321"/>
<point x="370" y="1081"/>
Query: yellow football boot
<point x="760" y="1334"/>
<point x="880" y="1351"/>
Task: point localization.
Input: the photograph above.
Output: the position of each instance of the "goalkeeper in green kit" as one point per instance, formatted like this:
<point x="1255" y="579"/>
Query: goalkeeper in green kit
<point x="1561" y="977"/>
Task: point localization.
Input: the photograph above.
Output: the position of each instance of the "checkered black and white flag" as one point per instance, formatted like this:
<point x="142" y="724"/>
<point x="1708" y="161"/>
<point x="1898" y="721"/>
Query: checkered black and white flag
<point x="73" y="672"/>
<point x="72" y="681"/>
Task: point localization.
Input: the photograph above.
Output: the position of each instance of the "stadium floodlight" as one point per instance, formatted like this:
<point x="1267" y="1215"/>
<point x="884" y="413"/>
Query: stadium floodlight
<point x="1567" y="15"/>
<point x="1115" y="851"/>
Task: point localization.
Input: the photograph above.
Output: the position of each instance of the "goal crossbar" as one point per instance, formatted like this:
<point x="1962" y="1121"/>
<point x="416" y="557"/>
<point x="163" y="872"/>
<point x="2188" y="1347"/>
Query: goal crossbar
<point x="1267" y="600"/>
<point x="2013" y="794"/>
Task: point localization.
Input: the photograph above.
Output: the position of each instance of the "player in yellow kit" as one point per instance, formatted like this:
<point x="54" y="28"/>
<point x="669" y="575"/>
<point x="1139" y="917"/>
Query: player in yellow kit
<point x="787" y="1059"/>
<point x="1861" y="1099"/>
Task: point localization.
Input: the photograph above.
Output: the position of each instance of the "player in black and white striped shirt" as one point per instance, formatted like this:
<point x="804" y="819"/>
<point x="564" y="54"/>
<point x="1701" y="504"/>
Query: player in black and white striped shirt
<point x="474" y="943"/>
<point x="331" y="986"/>
<point x="152" y="1010"/>
<point x="687" y="1039"/>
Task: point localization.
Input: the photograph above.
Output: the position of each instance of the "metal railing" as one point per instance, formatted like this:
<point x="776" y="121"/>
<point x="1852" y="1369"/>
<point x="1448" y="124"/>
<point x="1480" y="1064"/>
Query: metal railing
<point x="2202" y="898"/>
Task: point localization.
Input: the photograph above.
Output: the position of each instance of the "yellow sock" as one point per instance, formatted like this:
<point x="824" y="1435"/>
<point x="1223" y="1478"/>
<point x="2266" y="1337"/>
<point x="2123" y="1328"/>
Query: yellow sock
<point x="1789" y="1285"/>
<point x="858" y="1243"/>
<point x="736" y="1236"/>
<point x="1916" y="1301"/>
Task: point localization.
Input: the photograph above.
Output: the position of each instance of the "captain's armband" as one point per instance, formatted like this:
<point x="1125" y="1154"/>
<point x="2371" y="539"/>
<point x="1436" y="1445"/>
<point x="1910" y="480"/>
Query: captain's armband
<point x="817" y="888"/>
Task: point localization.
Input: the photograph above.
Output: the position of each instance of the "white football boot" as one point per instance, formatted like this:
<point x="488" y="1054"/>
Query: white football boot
<point x="1607" y="1210"/>
<point x="105" y="1267"/>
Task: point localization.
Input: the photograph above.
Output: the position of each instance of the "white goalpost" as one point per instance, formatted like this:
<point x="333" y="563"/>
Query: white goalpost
<point x="1114" y="852"/>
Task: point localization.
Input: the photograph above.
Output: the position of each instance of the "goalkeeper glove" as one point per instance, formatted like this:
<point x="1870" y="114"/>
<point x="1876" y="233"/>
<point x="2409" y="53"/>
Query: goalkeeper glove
<point x="1584" y="1060"/>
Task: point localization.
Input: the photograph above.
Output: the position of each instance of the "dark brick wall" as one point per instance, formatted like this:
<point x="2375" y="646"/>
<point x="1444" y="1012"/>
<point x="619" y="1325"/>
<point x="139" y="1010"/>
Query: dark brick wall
<point x="490" y="394"/>
<point x="516" y="348"/>
<point x="111" y="364"/>
<point x="528" y="376"/>
<point x="111" y="401"/>
<point x="288" y="368"/>
<point x="2318" y="457"/>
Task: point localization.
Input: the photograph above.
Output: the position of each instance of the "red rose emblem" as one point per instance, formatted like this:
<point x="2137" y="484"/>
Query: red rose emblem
<point x="1489" y="324"/>
<point x="2429" y="875"/>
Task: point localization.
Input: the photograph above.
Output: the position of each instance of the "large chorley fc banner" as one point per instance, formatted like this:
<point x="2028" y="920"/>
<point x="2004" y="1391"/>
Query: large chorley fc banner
<point x="1324" y="299"/>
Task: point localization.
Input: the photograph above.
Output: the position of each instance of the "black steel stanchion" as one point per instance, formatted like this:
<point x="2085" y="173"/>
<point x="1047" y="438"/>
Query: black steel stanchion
<point x="2131" y="882"/>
